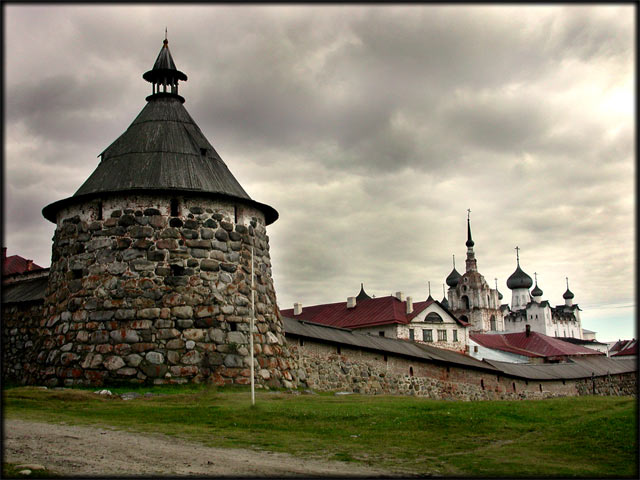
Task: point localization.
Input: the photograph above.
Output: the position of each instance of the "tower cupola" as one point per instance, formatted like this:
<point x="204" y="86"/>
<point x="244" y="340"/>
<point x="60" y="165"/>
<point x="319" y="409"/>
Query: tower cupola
<point x="362" y="295"/>
<point x="164" y="75"/>
<point x="444" y="302"/>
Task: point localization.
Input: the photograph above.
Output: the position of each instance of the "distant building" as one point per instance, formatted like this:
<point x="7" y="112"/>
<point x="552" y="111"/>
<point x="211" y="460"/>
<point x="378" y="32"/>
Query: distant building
<point x="393" y="317"/>
<point x="624" y="349"/>
<point x="525" y="347"/>
<point x="470" y="297"/>
<point x="15" y="264"/>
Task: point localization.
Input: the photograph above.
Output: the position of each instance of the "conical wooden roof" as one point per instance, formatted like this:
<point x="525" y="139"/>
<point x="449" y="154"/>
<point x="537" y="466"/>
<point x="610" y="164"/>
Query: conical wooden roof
<point x="163" y="150"/>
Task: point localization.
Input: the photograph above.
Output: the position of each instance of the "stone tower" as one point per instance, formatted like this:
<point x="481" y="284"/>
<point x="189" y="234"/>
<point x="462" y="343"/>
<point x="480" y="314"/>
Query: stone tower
<point x="470" y="297"/>
<point x="151" y="263"/>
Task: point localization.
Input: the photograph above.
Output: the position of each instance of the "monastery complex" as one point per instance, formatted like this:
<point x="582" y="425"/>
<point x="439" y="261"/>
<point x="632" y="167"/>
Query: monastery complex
<point x="161" y="274"/>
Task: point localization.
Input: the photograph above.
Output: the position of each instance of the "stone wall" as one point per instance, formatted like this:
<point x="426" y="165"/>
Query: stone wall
<point x="20" y="331"/>
<point x="328" y="367"/>
<point x="138" y="295"/>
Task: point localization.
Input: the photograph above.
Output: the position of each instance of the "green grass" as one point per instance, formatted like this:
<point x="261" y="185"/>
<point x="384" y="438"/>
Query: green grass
<point x="578" y="436"/>
<point x="10" y="470"/>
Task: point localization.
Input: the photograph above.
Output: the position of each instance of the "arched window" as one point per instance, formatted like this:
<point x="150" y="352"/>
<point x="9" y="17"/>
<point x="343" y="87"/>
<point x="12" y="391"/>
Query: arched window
<point x="433" y="317"/>
<point x="466" y="304"/>
<point x="492" y="321"/>
<point x="464" y="318"/>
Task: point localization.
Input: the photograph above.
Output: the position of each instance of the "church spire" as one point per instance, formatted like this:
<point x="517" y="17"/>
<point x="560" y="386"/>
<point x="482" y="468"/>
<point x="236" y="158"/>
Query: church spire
<point x="471" y="264"/>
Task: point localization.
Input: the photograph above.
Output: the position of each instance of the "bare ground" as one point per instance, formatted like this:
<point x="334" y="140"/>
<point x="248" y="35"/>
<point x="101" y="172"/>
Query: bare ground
<point x="93" y="451"/>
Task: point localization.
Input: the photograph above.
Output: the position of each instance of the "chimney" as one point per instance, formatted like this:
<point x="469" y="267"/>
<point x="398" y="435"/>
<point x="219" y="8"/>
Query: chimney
<point x="409" y="305"/>
<point x="351" y="302"/>
<point x="400" y="296"/>
<point x="528" y="330"/>
<point x="297" y="308"/>
<point x="29" y="265"/>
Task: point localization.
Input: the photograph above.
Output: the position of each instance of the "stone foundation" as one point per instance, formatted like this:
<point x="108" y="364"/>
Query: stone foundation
<point x="20" y="331"/>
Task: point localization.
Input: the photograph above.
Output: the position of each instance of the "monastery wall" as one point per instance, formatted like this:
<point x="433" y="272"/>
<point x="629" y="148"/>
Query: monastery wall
<point x="327" y="367"/>
<point x="138" y="295"/>
<point x="20" y="332"/>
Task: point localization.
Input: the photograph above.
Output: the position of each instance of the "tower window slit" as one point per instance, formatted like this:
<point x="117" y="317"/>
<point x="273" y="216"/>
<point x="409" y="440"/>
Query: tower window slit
<point x="175" y="211"/>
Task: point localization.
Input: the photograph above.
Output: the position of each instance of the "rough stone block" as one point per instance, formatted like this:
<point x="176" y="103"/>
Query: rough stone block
<point x="182" y="311"/>
<point x="113" y="363"/>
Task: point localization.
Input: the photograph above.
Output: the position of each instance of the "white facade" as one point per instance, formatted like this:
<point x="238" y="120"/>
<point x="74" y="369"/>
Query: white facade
<point x="480" y="352"/>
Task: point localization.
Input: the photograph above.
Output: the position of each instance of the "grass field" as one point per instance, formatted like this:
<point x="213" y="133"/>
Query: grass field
<point x="578" y="436"/>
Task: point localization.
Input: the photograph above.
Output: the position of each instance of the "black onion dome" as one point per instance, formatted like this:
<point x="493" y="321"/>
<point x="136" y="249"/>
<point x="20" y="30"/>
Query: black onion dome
<point x="536" y="292"/>
<point x="519" y="279"/>
<point x="500" y="297"/>
<point x="362" y="295"/>
<point x="453" y="278"/>
<point x="445" y="302"/>
<point x="567" y="295"/>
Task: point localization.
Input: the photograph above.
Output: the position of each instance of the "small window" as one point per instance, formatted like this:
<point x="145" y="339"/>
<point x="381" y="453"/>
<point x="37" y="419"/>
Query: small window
<point x="411" y="371"/>
<point x="442" y="335"/>
<point x="411" y="334"/>
<point x="427" y="335"/>
<point x="540" y="385"/>
<point x="203" y="151"/>
<point x="386" y="358"/>
<point x="475" y="348"/>
<point x="482" y="383"/>
<point x="338" y="350"/>
<point x="455" y="335"/>
<point x="301" y="341"/>
<point x="514" y="387"/>
<point x="233" y="326"/>
<point x="381" y="334"/>
<point x="99" y="210"/>
<point x="175" y="211"/>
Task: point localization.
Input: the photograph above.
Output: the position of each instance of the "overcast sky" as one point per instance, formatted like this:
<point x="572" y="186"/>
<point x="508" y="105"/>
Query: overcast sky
<point x="371" y="129"/>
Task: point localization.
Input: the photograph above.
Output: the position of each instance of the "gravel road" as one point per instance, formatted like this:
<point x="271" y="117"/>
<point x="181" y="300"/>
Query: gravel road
<point x="93" y="451"/>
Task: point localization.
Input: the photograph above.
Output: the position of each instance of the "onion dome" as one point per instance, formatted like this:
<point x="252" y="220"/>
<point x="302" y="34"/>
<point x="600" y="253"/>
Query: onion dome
<point x="444" y="301"/>
<point x="536" y="292"/>
<point x="519" y="279"/>
<point x="500" y="296"/>
<point x="362" y="295"/>
<point x="454" y="277"/>
<point x="568" y="295"/>
<point x="162" y="152"/>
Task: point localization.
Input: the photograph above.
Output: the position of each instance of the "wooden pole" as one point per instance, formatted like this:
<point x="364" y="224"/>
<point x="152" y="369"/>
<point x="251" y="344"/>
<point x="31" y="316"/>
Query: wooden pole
<point x="253" y="388"/>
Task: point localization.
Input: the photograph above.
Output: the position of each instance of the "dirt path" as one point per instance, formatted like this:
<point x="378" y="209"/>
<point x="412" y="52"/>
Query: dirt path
<point x="92" y="451"/>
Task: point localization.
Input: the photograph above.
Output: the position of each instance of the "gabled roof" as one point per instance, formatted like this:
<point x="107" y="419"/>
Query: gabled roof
<point x="375" y="311"/>
<point x="534" y="344"/>
<point x="629" y="347"/>
<point x="17" y="264"/>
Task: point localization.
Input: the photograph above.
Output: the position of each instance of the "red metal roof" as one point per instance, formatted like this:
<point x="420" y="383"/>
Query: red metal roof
<point x="17" y="264"/>
<point x="367" y="313"/>
<point x="629" y="347"/>
<point x="536" y="344"/>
